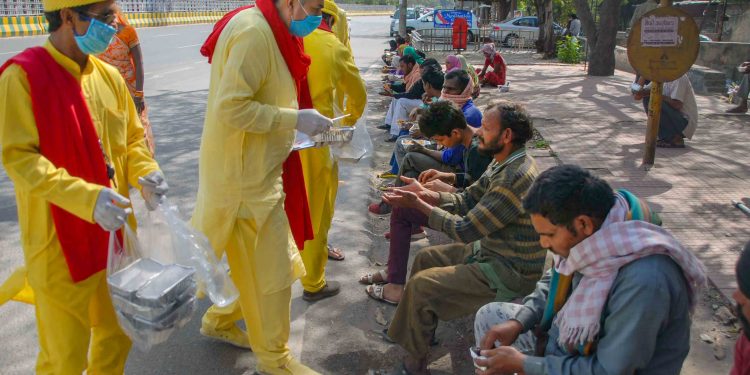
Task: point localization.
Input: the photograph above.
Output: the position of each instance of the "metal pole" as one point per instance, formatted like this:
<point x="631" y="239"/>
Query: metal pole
<point x="652" y="131"/>
<point x="654" y="114"/>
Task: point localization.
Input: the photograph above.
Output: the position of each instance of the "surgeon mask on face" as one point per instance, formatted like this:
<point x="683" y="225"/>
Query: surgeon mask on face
<point x="304" y="27"/>
<point x="97" y="36"/>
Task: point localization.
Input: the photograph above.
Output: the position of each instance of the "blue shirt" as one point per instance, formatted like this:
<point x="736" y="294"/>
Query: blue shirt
<point x="454" y="156"/>
<point x="473" y="114"/>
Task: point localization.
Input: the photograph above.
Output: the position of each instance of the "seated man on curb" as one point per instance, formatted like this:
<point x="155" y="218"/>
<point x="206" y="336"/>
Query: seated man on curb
<point x="679" y="111"/>
<point x="743" y="90"/>
<point x="445" y="124"/>
<point x="457" y="89"/>
<point x="503" y="259"/>
<point x="618" y="299"/>
<point x="403" y="104"/>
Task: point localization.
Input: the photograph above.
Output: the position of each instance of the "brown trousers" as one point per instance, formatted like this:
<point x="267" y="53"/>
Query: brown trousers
<point x="441" y="287"/>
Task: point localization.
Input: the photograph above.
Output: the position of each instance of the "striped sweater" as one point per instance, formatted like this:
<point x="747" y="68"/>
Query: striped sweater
<point x="490" y="211"/>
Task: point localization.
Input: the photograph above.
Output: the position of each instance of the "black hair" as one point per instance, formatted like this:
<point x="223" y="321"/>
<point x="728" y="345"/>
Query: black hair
<point x="462" y="76"/>
<point x="407" y="59"/>
<point x="431" y="64"/>
<point x="441" y="118"/>
<point x="514" y="117"/>
<point x="393" y="44"/>
<point x="434" y="78"/>
<point x="562" y="193"/>
<point x="573" y="16"/>
<point x="421" y="53"/>
<point x="55" y="21"/>
<point x="400" y="40"/>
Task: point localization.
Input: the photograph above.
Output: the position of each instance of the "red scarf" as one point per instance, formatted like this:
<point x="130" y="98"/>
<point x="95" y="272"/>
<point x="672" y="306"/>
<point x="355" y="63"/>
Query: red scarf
<point x="68" y="139"/>
<point x="298" y="63"/>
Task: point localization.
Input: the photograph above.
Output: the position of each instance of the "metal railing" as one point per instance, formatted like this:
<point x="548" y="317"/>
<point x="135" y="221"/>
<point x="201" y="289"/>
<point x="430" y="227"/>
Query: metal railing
<point x="515" y="39"/>
<point x="442" y="39"/>
<point x="34" y="7"/>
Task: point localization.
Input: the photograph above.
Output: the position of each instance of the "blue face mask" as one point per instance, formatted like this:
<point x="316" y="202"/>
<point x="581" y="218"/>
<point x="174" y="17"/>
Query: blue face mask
<point x="97" y="37"/>
<point x="303" y="28"/>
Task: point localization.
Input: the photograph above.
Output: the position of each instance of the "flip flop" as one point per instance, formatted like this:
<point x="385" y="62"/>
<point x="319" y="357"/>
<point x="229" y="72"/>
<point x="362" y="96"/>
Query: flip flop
<point x="335" y="253"/>
<point x="376" y="292"/>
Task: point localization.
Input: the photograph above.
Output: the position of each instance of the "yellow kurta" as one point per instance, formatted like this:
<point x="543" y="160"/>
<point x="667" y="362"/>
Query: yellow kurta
<point x="332" y="70"/>
<point x="69" y="314"/>
<point x="248" y="134"/>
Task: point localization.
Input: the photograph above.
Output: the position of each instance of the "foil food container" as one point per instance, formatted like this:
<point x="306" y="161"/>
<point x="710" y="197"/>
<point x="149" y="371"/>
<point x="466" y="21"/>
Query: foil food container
<point x="166" y="287"/>
<point x="126" y="282"/>
<point x="334" y="135"/>
<point x="151" y="313"/>
<point x="176" y="318"/>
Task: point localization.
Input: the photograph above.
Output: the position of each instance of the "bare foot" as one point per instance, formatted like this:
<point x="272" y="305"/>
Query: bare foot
<point x="393" y="292"/>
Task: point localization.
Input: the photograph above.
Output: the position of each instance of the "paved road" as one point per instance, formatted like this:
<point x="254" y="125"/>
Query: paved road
<point x="176" y="87"/>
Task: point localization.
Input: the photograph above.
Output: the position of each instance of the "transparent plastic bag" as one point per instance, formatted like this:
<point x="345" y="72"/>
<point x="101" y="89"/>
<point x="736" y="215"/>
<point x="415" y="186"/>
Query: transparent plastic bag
<point x="360" y="145"/>
<point x="190" y="247"/>
<point x="151" y="299"/>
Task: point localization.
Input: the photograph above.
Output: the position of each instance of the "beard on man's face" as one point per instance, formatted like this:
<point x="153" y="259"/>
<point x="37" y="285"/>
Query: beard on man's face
<point x="489" y="148"/>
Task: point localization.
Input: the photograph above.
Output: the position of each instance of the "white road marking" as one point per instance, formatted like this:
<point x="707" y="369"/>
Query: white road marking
<point x="162" y="74"/>
<point x="10" y="53"/>
<point x="163" y="35"/>
<point x="192" y="45"/>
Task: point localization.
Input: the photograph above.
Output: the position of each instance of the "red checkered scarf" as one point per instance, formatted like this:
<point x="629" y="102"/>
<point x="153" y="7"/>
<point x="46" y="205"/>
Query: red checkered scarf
<point x="599" y="257"/>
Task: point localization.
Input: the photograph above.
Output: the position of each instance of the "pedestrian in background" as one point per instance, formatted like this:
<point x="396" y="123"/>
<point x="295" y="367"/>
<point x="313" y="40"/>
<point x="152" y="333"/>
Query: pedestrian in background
<point x="124" y="53"/>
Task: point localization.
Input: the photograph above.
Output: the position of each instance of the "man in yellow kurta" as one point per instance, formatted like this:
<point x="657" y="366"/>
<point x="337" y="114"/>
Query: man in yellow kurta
<point x="76" y="322"/>
<point x="332" y="70"/>
<point x="249" y="130"/>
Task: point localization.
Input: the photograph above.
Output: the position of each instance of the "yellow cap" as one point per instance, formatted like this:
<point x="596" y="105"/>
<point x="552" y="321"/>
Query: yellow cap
<point x="329" y="7"/>
<point x="50" y="5"/>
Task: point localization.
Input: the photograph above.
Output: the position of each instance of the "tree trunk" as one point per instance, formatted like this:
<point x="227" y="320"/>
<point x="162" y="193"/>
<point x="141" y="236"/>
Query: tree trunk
<point x="504" y="10"/>
<point x="549" y="34"/>
<point x="546" y="42"/>
<point x="539" y="5"/>
<point x="402" y="18"/>
<point x="601" y="40"/>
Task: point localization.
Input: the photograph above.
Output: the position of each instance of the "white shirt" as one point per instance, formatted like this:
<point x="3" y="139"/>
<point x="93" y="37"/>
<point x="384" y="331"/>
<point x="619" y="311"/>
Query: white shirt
<point x="681" y="89"/>
<point x="575" y="27"/>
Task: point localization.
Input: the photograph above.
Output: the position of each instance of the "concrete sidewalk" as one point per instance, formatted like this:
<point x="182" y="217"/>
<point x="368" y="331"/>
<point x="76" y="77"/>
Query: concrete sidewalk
<point x="594" y="122"/>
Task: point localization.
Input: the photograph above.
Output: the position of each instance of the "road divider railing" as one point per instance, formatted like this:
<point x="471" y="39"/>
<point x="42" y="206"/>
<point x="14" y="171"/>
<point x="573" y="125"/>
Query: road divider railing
<point x="14" y="26"/>
<point x="22" y="26"/>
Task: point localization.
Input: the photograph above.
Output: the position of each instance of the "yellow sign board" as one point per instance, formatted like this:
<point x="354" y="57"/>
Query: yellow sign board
<point x="663" y="44"/>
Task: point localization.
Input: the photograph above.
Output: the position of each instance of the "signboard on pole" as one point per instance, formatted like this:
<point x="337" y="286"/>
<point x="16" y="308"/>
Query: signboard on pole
<point x="663" y="44"/>
<point x="659" y="31"/>
<point x="443" y="18"/>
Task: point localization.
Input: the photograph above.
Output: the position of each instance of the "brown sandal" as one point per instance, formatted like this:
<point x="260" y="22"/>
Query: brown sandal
<point x="335" y="253"/>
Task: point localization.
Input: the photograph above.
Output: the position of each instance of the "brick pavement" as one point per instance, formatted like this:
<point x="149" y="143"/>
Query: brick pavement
<point x="593" y="122"/>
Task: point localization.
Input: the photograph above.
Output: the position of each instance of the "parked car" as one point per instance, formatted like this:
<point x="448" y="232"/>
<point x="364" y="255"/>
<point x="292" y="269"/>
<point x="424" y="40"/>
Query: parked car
<point x="508" y="32"/>
<point x="411" y="14"/>
<point x="426" y="21"/>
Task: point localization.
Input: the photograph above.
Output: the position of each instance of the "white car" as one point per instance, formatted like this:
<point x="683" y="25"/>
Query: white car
<point x="426" y="22"/>
<point x="510" y="31"/>
<point x="411" y="14"/>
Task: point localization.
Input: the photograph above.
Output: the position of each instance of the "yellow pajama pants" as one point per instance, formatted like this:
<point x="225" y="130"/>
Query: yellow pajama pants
<point x="77" y="326"/>
<point x="267" y="315"/>
<point x="321" y="181"/>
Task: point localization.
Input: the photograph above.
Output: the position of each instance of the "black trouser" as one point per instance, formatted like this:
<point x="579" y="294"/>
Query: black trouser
<point x="671" y="122"/>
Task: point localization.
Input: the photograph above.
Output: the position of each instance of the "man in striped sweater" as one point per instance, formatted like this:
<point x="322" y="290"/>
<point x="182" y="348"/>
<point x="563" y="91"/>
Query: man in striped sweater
<point x="498" y="257"/>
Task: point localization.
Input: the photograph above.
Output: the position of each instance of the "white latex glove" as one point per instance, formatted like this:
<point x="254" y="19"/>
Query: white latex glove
<point x="153" y="189"/>
<point x="109" y="212"/>
<point x="311" y="122"/>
